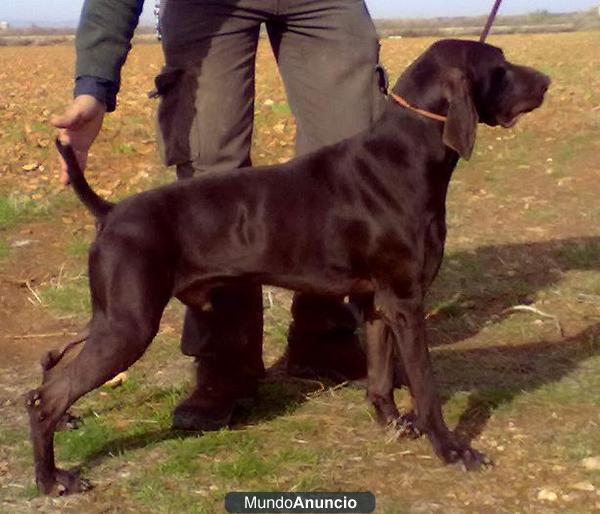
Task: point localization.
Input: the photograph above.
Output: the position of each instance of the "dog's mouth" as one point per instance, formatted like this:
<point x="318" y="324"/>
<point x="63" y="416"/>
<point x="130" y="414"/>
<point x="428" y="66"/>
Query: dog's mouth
<point x="519" y="111"/>
<point x="524" y="106"/>
<point x="510" y="123"/>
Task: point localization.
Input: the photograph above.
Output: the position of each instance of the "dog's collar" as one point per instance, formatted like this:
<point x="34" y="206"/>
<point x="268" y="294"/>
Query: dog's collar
<point x="402" y="102"/>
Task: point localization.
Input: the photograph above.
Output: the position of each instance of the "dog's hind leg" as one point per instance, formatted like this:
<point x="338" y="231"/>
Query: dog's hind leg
<point x="106" y="353"/>
<point x="49" y="362"/>
<point x="119" y="335"/>
<point x="53" y="357"/>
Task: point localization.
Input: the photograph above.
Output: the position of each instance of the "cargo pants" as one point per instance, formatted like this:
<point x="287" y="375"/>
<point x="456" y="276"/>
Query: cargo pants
<point x="327" y="52"/>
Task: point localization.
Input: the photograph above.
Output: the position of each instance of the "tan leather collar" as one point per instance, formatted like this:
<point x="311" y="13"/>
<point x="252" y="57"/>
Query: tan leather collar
<point x="401" y="101"/>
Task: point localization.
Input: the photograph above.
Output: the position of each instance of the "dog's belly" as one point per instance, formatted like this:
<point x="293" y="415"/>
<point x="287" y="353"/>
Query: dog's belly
<point x="324" y="285"/>
<point x="196" y="292"/>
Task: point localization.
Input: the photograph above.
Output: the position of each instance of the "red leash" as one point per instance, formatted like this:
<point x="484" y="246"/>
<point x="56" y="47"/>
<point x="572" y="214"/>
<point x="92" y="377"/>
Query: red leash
<point x="490" y="21"/>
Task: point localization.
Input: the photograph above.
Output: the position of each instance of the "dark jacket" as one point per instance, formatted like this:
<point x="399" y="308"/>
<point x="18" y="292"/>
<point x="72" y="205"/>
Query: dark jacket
<point x="102" y="42"/>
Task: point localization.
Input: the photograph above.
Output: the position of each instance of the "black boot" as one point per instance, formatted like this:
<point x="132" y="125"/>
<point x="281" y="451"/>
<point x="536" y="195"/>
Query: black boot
<point x="227" y="343"/>
<point x="322" y="340"/>
<point x="219" y="392"/>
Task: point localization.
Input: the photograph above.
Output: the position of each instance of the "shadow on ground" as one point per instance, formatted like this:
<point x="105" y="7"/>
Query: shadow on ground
<point x="497" y="375"/>
<point x="475" y="287"/>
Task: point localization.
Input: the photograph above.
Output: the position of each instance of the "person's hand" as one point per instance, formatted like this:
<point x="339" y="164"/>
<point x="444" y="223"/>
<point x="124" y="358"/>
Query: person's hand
<point x="79" y="125"/>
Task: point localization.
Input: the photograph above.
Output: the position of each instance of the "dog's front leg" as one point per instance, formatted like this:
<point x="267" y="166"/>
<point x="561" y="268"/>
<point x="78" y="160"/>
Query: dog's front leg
<point x="384" y="373"/>
<point x="380" y="371"/>
<point x="406" y="318"/>
<point x="384" y="370"/>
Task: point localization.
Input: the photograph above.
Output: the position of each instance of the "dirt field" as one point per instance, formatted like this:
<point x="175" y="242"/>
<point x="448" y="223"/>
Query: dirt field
<point x="523" y="385"/>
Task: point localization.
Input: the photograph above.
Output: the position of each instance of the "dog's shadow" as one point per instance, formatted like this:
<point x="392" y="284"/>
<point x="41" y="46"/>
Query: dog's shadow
<point x="475" y="288"/>
<point x="490" y="279"/>
<point x="496" y="376"/>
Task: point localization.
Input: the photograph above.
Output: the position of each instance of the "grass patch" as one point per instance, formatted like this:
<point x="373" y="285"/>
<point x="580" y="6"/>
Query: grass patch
<point x="4" y="249"/>
<point x="15" y="208"/>
<point x="30" y="492"/>
<point x="246" y="465"/>
<point x="568" y="390"/>
<point x="451" y="308"/>
<point x="583" y="255"/>
<point x="126" y="149"/>
<point x="118" y="421"/>
<point x="72" y="296"/>
<point x="78" y="247"/>
<point x="571" y="149"/>
<point x="276" y="399"/>
<point x="281" y="108"/>
<point x="10" y="437"/>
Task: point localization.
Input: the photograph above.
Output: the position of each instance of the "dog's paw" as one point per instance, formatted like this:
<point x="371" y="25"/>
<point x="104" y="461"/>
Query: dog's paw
<point x="467" y="458"/>
<point x="405" y="427"/>
<point x="63" y="483"/>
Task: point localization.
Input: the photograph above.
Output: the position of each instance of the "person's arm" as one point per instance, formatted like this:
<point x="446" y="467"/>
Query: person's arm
<point x="102" y="42"/>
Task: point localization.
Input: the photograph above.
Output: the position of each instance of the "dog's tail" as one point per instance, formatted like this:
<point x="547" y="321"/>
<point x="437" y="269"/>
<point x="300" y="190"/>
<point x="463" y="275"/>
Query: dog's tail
<point x="96" y="205"/>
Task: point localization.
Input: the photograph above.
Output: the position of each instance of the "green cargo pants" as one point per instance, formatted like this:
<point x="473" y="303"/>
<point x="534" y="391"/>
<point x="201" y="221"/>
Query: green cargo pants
<point x="327" y="54"/>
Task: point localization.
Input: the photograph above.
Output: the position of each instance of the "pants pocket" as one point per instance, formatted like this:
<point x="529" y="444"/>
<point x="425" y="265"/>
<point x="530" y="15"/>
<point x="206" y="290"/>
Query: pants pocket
<point x="176" y="115"/>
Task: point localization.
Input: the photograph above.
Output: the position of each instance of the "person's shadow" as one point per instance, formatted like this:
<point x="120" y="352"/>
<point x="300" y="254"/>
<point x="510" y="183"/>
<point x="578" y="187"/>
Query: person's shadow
<point x="490" y="279"/>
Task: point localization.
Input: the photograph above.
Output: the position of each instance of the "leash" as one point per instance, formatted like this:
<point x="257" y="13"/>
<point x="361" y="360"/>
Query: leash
<point x="402" y="102"/>
<point x="490" y="21"/>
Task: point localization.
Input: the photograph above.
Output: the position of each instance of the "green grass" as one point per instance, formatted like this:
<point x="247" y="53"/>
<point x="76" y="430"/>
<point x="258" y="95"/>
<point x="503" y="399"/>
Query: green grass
<point x="126" y="149"/>
<point x="281" y="108"/>
<point x="583" y="255"/>
<point x="15" y="208"/>
<point x="4" y="249"/>
<point x="44" y="128"/>
<point x="71" y="297"/>
<point x="311" y="445"/>
<point x="78" y="247"/>
<point x="451" y="308"/>
<point x="10" y="437"/>
<point x="571" y="149"/>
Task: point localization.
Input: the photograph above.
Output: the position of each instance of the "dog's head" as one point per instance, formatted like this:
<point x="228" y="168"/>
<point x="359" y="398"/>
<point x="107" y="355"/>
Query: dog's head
<point x="472" y="82"/>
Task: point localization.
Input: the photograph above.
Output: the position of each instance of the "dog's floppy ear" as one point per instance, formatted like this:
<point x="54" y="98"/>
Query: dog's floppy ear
<point x="461" y="123"/>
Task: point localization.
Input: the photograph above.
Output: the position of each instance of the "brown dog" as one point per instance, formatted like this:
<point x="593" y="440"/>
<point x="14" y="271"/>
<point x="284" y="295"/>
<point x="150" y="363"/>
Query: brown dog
<point x="364" y="217"/>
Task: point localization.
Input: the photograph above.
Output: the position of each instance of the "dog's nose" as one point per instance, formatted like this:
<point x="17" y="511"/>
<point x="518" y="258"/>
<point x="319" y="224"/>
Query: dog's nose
<point x="545" y="83"/>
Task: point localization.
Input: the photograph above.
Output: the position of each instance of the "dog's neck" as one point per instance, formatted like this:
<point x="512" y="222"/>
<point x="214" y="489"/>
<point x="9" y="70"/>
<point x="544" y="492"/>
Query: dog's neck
<point x="426" y="95"/>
